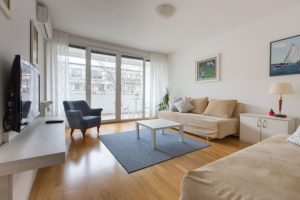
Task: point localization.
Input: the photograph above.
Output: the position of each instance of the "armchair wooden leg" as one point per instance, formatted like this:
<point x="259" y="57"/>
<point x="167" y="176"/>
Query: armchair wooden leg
<point x="72" y="131"/>
<point x="98" y="127"/>
<point x="83" y="132"/>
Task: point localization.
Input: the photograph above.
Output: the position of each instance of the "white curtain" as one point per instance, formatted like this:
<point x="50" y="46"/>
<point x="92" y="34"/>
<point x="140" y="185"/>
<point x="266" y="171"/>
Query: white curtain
<point x="57" y="71"/>
<point x="158" y="80"/>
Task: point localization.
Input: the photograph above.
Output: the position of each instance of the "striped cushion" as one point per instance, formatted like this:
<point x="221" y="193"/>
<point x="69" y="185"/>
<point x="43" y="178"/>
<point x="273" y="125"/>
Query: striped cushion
<point x="184" y="105"/>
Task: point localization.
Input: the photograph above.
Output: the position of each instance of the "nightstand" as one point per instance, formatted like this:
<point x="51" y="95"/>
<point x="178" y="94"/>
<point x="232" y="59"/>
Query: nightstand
<point x="257" y="127"/>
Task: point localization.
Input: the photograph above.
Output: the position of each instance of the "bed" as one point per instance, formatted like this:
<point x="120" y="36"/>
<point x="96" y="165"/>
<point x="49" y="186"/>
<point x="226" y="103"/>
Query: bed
<point x="269" y="170"/>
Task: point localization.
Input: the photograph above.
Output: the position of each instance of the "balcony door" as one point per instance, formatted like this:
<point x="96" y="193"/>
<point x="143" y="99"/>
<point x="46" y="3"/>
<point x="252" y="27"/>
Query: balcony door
<point x="103" y="83"/>
<point x="132" y="85"/>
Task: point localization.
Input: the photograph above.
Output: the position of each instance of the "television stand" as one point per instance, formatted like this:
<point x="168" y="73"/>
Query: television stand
<point x="38" y="145"/>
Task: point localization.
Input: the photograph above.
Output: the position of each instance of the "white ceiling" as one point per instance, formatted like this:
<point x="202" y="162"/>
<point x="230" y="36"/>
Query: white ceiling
<point x="134" y="23"/>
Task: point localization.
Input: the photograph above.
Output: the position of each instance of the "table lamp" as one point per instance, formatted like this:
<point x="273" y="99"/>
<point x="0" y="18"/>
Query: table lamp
<point x="280" y="89"/>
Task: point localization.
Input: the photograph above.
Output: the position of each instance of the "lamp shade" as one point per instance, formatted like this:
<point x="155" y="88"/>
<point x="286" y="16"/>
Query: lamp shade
<point x="281" y="88"/>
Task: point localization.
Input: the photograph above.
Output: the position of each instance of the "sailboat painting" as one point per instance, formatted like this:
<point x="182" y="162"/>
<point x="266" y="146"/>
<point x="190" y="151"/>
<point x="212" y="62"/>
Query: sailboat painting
<point x="285" y="56"/>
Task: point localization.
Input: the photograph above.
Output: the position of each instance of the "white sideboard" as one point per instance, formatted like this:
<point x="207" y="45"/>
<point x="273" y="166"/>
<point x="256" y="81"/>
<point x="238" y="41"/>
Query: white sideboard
<point x="257" y="127"/>
<point x="38" y="145"/>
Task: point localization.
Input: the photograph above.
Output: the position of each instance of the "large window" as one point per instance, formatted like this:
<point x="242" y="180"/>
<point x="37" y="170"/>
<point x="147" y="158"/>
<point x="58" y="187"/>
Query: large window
<point x="119" y="84"/>
<point x="77" y="73"/>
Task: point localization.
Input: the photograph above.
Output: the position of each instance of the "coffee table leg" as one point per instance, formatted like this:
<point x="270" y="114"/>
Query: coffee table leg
<point x="181" y="133"/>
<point x="137" y="127"/>
<point x="162" y="131"/>
<point x="153" y="141"/>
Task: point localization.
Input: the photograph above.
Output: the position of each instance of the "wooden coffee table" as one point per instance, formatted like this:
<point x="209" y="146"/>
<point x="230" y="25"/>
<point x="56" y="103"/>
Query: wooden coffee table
<point x="158" y="124"/>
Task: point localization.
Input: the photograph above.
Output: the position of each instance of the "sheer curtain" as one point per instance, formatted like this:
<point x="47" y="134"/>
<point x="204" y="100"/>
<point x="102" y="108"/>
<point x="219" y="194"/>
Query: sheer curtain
<point x="57" y="71"/>
<point x="158" y="80"/>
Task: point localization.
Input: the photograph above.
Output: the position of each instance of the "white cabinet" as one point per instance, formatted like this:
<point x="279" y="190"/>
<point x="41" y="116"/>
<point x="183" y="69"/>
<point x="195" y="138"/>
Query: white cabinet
<point x="255" y="127"/>
<point x="250" y="129"/>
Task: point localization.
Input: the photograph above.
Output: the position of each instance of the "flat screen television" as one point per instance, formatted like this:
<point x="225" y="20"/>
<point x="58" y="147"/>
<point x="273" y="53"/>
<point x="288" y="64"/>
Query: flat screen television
<point x="23" y="96"/>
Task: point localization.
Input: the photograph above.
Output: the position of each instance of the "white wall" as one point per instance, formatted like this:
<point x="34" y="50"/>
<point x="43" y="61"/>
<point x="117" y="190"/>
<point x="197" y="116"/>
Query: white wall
<point x="15" y="39"/>
<point x="244" y="65"/>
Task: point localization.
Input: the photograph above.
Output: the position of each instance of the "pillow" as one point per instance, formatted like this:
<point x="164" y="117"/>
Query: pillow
<point x="199" y="105"/>
<point x="220" y="108"/>
<point x="172" y="101"/>
<point x="184" y="105"/>
<point x="295" y="137"/>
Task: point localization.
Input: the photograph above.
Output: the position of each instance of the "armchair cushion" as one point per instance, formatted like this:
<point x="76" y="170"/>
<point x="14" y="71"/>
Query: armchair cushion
<point x="91" y="121"/>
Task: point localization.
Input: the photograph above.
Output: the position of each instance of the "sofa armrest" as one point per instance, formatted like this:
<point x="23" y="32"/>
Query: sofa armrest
<point x="95" y="112"/>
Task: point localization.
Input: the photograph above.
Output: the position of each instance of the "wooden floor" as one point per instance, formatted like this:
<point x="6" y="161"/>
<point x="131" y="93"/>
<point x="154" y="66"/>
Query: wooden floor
<point x="91" y="171"/>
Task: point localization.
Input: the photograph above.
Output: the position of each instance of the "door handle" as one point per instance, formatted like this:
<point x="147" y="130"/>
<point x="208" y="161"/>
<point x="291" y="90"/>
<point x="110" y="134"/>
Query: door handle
<point x="264" y="123"/>
<point x="258" y="123"/>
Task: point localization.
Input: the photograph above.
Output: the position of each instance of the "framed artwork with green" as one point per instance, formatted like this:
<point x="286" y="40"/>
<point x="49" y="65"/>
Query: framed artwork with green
<point x="207" y="69"/>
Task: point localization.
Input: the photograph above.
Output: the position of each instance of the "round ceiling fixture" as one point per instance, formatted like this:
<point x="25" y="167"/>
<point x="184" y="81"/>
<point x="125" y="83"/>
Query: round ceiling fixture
<point x="165" y="10"/>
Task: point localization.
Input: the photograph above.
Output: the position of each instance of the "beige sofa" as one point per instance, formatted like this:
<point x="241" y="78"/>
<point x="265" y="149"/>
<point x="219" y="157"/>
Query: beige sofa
<point x="266" y="170"/>
<point x="204" y="125"/>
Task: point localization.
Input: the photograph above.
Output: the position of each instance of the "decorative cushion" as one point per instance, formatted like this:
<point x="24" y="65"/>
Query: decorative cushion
<point x="220" y="108"/>
<point x="295" y="137"/>
<point x="199" y="105"/>
<point x="172" y="101"/>
<point x="184" y="105"/>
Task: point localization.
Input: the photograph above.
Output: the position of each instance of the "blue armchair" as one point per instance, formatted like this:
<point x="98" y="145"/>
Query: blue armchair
<point x="81" y="116"/>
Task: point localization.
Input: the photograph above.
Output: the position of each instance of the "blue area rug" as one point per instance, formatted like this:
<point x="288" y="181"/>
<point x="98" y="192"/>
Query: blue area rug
<point x="134" y="154"/>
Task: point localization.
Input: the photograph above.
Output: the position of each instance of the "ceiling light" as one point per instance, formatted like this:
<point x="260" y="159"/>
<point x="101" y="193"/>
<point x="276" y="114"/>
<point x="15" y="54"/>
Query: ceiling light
<point x="165" y="10"/>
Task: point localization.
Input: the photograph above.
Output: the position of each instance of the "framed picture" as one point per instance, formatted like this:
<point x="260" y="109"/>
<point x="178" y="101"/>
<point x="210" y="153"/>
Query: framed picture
<point x="285" y="56"/>
<point x="5" y="6"/>
<point x="34" y="43"/>
<point x="207" y="69"/>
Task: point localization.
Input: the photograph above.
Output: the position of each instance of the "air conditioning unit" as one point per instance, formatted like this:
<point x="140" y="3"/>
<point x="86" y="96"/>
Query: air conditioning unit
<point x="44" y="21"/>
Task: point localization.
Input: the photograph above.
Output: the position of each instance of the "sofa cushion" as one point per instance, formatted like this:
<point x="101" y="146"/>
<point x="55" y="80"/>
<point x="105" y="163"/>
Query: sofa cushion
<point x="184" y="105"/>
<point x="220" y="108"/>
<point x="199" y="105"/>
<point x="295" y="137"/>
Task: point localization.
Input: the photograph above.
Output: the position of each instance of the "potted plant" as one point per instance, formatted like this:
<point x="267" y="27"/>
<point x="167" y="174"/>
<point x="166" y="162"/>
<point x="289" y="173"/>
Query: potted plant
<point x="164" y="104"/>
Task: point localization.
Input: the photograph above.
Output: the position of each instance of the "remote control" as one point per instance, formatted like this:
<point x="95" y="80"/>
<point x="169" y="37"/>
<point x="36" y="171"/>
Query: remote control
<point x="54" y="121"/>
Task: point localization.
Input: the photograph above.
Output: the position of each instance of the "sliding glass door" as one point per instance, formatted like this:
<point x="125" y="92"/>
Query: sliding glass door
<point x="119" y="84"/>
<point x="103" y="83"/>
<point x="132" y="84"/>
